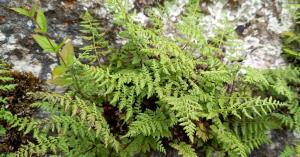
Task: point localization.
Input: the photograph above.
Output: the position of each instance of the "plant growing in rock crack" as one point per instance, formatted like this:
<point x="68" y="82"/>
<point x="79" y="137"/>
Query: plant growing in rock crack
<point x="154" y="94"/>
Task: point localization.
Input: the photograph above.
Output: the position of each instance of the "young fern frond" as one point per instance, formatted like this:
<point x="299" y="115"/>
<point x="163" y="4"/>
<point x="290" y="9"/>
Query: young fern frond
<point x="97" y="45"/>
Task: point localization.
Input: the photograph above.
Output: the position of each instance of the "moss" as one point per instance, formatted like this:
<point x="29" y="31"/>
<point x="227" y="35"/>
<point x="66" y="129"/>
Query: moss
<point x="19" y="104"/>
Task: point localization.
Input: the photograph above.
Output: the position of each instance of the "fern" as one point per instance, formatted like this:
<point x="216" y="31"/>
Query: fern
<point x="231" y="142"/>
<point x="145" y="143"/>
<point x="6" y="80"/>
<point x="6" y="85"/>
<point x="184" y="149"/>
<point x="252" y="107"/>
<point x="287" y="152"/>
<point x="253" y="133"/>
<point x="41" y="148"/>
<point x="85" y="112"/>
<point x="150" y="124"/>
<point x="97" y="46"/>
<point x="187" y="109"/>
<point x="155" y="92"/>
<point x="12" y="123"/>
<point x="291" y="151"/>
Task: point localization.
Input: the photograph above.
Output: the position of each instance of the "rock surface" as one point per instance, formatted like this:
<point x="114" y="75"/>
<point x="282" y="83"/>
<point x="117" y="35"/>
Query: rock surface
<point x="257" y="22"/>
<point x="63" y="17"/>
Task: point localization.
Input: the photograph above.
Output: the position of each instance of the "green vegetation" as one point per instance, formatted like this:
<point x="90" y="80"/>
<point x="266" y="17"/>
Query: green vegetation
<point x="291" y="41"/>
<point x="5" y="86"/>
<point x="291" y="151"/>
<point x="152" y="93"/>
<point x="15" y="106"/>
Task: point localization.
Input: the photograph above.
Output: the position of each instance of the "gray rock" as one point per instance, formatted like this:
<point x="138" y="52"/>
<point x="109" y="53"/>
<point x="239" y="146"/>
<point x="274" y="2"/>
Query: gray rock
<point x="3" y="1"/>
<point x="280" y="138"/>
<point x="2" y="37"/>
<point x="17" y="45"/>
<point x="259" y="24"/>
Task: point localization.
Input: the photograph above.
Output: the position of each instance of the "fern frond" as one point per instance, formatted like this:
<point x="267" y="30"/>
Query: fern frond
<point x="97" y="46"/>
<point x="44" y="145"/>
<point x="230" y="142"/>
<point x="251" y="107"/>
<point x="256" y="78"/>
<point x="186" y="109"/>
<point x="184" y="149"/>
<point x="150" y="123"/>
<point x="89" y="113"/>
<point x="288" y="152"/>
<point x="70" y="125"/>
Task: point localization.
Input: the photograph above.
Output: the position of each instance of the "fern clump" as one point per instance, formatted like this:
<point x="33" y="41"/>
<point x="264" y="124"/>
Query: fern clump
<point x="155" y="93"/>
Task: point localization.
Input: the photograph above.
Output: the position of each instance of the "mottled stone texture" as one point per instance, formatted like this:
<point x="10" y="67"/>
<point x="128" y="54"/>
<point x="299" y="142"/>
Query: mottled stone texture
<point x="258" y="23"/>
<point x="63" y="16"/>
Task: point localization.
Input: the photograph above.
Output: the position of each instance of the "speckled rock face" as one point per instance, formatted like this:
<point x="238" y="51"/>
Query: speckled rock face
<point x="17" y="45"/>
<point x="258" y="24"/>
